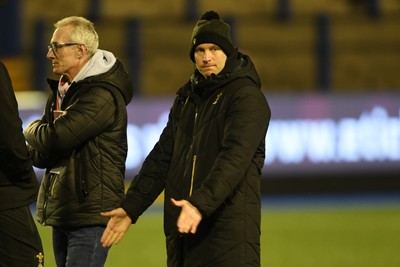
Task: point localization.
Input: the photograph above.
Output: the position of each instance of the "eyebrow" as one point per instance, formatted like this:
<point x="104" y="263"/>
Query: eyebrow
<point x="213" y="46"/>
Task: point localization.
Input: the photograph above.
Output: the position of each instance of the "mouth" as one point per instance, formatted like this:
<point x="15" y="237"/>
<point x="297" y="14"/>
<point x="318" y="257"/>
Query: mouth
<point x="207" y="67"/>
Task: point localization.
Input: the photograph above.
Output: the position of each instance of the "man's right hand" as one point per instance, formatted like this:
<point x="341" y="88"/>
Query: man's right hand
<point x="116" y="227"/>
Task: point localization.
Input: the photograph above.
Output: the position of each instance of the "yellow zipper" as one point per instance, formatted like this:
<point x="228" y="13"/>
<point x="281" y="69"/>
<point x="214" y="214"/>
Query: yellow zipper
<point x="192" y="179"/>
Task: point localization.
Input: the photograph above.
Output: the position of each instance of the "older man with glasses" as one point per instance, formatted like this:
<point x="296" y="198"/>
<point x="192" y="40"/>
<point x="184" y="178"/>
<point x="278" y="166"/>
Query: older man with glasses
<point x="81" y="141"/>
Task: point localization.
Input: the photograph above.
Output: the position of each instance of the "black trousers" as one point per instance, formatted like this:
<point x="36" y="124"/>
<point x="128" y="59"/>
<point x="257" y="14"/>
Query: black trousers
<point x="20" y="243"/>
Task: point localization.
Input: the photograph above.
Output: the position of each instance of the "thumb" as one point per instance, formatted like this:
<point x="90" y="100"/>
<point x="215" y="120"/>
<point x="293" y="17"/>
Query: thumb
<point x="176" y="202"/>
<point x="106" y="213"/>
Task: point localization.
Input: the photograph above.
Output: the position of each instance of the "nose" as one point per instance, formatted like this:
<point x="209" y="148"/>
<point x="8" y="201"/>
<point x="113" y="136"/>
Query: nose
<point x="50" y="54"/>
<point x="206" y="55"/>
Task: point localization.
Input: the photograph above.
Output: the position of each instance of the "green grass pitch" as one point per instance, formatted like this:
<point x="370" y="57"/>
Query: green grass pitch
<point x="295" y="236"/>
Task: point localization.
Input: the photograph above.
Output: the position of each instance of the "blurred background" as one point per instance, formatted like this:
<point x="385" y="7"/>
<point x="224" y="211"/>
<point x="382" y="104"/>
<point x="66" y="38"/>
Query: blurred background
<point x="298" y="46"/>
<point x="329" y="69"/>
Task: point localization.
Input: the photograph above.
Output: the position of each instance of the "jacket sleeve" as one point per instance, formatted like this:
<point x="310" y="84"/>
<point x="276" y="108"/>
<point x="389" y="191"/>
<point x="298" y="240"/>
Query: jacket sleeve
<point x="43" y="160"/>
<point x="150" y="182"/>
<point x="245" y="126"/>
<point x="85" y="118"/>
<point x="14" y="156"/>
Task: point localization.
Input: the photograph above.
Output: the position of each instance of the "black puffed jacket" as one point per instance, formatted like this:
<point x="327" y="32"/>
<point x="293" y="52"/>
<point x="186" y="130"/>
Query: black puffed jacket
<point x="83" y="151"/>
<point x="211" y="153"/>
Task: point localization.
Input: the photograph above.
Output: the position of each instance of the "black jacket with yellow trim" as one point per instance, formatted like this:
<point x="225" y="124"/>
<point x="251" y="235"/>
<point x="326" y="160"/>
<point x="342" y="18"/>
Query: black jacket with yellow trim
<point x="211" y="153"/>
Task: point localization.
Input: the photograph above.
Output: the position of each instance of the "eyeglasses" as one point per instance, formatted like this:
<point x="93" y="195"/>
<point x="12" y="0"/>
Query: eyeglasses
<point x="56" y="46"/>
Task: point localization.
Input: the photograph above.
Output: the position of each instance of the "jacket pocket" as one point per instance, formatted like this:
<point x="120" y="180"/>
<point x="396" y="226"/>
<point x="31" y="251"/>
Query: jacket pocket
<point x="46" y="192"/>
<point x="81" y="183"/>
<point x="53" y="177"/>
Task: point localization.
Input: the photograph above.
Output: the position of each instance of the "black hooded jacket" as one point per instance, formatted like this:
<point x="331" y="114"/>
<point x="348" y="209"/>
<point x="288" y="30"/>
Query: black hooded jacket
<point x="211" y="153"/>
<point x="83" y="151"/>
<point x="18" y="183"/>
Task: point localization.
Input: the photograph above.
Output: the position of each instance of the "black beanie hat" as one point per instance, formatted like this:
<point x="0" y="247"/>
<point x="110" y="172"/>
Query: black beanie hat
<point x="211" y="29"/>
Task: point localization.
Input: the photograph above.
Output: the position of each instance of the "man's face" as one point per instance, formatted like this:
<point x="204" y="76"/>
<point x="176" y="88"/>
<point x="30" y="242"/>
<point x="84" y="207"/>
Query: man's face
<point x="209" y="58"/>
<point x="64" y="55"/>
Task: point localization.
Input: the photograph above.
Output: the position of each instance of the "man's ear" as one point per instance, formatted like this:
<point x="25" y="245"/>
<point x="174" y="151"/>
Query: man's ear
<point x="81" y="51"/>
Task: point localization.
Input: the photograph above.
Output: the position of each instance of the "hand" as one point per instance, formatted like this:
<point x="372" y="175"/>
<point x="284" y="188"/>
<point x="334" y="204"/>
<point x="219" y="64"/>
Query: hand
<point x="116" y="227"/>
<point x="190" y="217"/>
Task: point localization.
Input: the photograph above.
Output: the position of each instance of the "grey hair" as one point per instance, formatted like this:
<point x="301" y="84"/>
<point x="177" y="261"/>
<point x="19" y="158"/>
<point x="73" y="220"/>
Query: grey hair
<point x="83" y="32"/>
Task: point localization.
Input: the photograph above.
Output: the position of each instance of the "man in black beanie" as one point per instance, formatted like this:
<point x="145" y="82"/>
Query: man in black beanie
<point x="208" y="160"/>
<point x="211" y="29"/>
<point x="20" y="243"/>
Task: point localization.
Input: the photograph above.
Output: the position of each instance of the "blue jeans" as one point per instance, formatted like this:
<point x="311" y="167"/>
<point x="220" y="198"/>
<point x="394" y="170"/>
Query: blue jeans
<point x="79" y="247"/>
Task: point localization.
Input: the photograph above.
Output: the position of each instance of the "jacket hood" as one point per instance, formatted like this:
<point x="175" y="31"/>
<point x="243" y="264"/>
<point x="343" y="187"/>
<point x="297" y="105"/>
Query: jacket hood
<point x="104" y="68"/>
<point x="101" y="62"/>
<point x="237" y="66"/>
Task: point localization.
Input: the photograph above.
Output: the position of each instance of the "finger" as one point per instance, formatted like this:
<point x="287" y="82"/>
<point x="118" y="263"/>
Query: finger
<point x="178" y="203"/>
<point x="106" y="244"/>
<point x="174" y="201"/>
<point x="113" y="239"/>
<point x="118" y="238"/>
<point x="111" y="213"/>
<point x="105" y="236"/>
<point x="193" y="230"/>
<point x="106" y="213"/>
<point x="183" y="230"/>
<point x="182" y="223"/>
<point x="108" y="240"/>
<point x="108" y="235"/>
